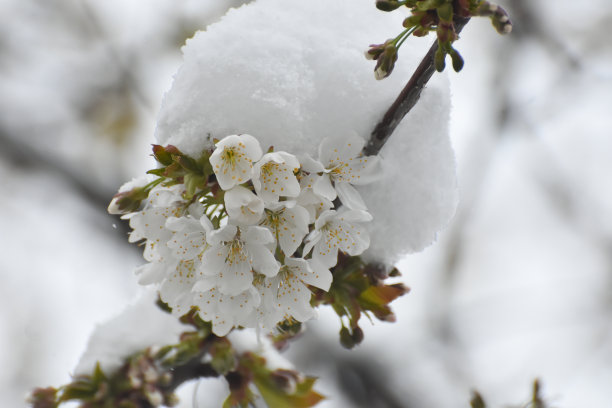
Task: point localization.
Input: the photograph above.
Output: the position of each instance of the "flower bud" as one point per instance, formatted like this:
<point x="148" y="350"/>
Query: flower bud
<point x="127" y="201"/>
<point x="388" y="5"/>
<point x="376" y="50"/>
<point x="386" y="62"/>
<point x="457" y="60"/>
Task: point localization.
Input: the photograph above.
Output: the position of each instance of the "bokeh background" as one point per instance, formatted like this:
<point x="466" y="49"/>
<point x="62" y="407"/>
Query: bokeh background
<point x="518" y="287"/>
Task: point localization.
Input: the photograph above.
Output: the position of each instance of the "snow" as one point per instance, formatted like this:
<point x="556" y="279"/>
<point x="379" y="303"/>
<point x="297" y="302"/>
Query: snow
<point x="293" y="73"/>
<point x="140" y="325"/>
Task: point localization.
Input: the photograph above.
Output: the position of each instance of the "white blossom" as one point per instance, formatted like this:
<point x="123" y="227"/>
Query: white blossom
<point x="175" y="290"/>
<point x="341" y="166"/>
<point x="235" y="254"/>
<point x="242" y="206"/>
<point x="287" y="296"/>
<point x="288" y="223"/>
<point x="225" y="311"/>
<point x="274" y="176"/>
<point x="233" y="158"/>
<point x="338" y="231"/>
<point x="188" y="240"/>
<point x="149" y="224"/>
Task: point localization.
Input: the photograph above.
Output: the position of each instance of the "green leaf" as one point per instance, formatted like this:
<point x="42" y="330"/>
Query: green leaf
<point x="303" y="397"/>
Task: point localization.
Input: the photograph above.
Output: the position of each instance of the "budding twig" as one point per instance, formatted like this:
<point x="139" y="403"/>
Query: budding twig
<point x="406" y="99"/>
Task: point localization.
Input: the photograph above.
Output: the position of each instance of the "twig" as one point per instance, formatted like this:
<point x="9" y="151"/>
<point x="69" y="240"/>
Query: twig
<point x="406" y="99"/>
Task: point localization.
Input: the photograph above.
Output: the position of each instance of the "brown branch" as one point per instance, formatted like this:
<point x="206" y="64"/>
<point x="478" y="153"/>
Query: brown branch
<point x="407" y="98"/>
<point x="192" y="370"/>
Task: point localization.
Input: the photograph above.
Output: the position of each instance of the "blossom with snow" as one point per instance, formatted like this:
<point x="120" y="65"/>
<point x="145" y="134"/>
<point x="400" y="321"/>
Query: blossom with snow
<point x="249" y="249"/>
<point x="232" y="160"/>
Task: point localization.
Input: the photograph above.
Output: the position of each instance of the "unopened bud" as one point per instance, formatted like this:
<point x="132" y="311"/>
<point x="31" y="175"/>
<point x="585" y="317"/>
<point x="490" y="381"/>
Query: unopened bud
<point x="127" y="201"/>
<point x="388" y="5"/>
<point x="346" y="339"/>
<point x="386" y="62"/>
<point x="376" y="50"/>
<point x="457" y="60"/>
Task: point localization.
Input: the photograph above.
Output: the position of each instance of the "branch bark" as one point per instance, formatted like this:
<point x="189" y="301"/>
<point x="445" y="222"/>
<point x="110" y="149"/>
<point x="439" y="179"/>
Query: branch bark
<point x="406" y="100"/>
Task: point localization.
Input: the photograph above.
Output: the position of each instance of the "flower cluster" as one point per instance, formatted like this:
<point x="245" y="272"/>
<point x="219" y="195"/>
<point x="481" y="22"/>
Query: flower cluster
<point x="244" y="235"/>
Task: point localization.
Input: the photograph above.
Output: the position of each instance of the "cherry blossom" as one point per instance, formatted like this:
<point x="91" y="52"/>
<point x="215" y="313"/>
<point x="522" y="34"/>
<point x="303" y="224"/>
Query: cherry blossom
<point x="232" y="161"/>
<point x="341" y="166"/>
<point x="335" y="231"/>
<point x="242" y="206"/>
<point x="288" y="223"/>
<point x="274" y="176"/>
<point x="234" y="254"/>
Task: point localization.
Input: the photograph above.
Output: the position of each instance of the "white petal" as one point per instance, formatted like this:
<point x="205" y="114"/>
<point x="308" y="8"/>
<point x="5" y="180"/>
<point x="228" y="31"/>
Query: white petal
<point x="320" y="276"/>
<point x="325" y="254"/>
<point x="225" y="179"/>
<point x="349" y="196"/>
<point x="203" y="285"/>
<point x="355" y="216"/>
<point x="293" y="229"/>
<point x="311" y="240"/>
<point x="243" y="207"/>
<point x="364" y="170"/>
<point x="335" y="150"/>
<point x="223" y="234"/>
<point x="263" y="260"/>
<point x="205" y="222"/>
<point x="324" y="188"/>
<point x="152" y="272"/>
<point x="235" y="278"/>
<point x="213" y="260"/>
<point x="294" y="299"/>
<point x="324" y="218"/>
<point x="222" y="325"/>
<point x="311" y="165"/>
<point x="256" y="235"/>
<point x="179" y="282"/>
<point x="252" y="147"/>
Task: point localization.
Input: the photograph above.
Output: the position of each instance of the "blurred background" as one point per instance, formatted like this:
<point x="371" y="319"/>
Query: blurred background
<point x="518" y="286"/>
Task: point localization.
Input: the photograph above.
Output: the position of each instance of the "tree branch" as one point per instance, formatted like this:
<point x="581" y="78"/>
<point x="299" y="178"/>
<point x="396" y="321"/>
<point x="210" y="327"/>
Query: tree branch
<point x="190" y="371"/>
<point x="407" y="98"/>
